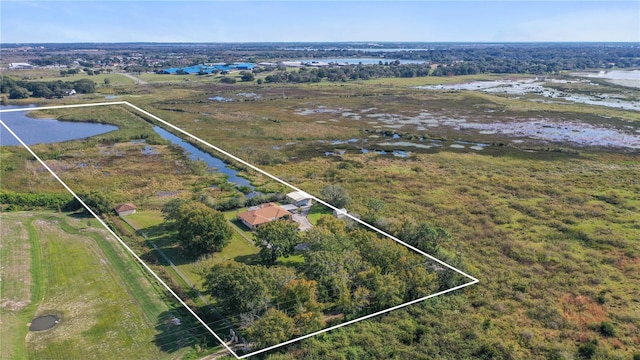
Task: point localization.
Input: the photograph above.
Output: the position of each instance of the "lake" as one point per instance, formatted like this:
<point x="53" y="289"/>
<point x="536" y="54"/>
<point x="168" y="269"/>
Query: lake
<point x="629" y="78"/>
<point x="197" y="154"/>
<point x="364" y="61"/>
<point x="47" y="131"/>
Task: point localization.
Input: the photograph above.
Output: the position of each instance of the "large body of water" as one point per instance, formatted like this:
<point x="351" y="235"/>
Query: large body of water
<point x="629" y="78"/>
<point x="364" y="61"/>
<point x="197" y="154"/>
<point x="47" y="131"/>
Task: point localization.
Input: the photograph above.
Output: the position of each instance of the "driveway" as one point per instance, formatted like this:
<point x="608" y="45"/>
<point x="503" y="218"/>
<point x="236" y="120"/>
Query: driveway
<point x="303" y="222"/>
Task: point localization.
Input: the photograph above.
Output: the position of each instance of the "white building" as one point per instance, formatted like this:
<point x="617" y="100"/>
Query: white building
<point x="299" y="198"/>
<point x="292" y="63"/>
<point x="340" y="213"/>
<point x="20" y="66"/>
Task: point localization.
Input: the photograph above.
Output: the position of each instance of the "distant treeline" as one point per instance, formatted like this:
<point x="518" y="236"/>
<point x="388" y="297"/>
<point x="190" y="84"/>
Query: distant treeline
<point x="19" y="89"/>
<point x="365" y="72"/>
<point x="546" y="60"/>
<point x="493" y="58"/>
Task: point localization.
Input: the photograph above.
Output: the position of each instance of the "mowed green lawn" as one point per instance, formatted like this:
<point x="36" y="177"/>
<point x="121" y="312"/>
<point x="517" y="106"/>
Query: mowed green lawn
<point x="145" y="219"/>
<point x="240" y="247"/>
<point x="109" y="309"/>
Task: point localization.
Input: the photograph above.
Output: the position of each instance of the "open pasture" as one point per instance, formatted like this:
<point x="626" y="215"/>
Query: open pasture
<point x="70" y="268"/>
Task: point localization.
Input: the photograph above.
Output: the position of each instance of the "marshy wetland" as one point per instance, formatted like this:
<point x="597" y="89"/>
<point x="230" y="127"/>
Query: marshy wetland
<point x="536" y="181"/>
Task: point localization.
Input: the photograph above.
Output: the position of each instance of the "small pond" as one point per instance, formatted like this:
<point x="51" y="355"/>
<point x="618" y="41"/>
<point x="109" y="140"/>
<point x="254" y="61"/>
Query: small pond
<point x="47" y="131"/>
<point x="197" y="154"/>
<point x="44" y="322"/>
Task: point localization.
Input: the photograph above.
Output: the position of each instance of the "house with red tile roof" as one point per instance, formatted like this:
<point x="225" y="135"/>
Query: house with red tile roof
<point x="263" y="214"/>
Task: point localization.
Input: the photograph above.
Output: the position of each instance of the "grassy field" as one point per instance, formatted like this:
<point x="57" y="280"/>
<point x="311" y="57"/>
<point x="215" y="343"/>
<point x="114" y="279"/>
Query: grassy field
<point x="553" y="239"/>
<point x="171" y="78"/>
<point x="21" y="288"/>
<point x="54" y="75"/>
<point x="549" y="228"/>
<point x="79" y="273"/>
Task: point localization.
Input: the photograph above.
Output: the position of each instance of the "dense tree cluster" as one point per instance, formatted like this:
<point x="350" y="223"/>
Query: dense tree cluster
<point x="347" y="271"/>
<point x="239" y="201"/>
<point x="19" y="89"/>
<point x="29" y="201"/>
<point x="543" y="59"/>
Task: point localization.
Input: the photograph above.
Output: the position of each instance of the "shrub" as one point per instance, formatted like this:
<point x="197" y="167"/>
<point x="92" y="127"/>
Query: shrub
<point x="228" y="80"/>
<point x="586" y="351"/>
<point x="607" y="329"/>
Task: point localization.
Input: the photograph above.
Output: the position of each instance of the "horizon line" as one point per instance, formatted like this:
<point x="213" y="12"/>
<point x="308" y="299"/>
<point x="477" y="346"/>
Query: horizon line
<point x="362" y="42"/>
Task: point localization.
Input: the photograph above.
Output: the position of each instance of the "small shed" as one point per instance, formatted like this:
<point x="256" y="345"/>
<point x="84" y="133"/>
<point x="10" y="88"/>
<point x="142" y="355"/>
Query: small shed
<point x="299" y="198"/>
<point x="340" y="213"/>
<point x="125" y="209"/>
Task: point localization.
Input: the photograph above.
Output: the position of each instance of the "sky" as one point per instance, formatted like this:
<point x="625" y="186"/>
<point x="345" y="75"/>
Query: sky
<point x="319" y="21"/>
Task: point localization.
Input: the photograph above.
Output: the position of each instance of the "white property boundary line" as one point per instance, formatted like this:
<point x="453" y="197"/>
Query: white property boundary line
<point x="473" y="279"/>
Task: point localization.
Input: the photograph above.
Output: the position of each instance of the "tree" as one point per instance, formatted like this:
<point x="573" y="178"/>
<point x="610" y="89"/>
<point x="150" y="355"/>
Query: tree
<point x="275" y="239"/>
<point x="273" y="328"/>
<point x="424" y="236"/>
<point x="299" y="296"/>
<point x="228" y="80"/>
<point x="246" y="76"/>
<point x="18" y="93"/>
<point x="84" y="86"/>
<point x="388" y="291"/>
<point x="333" y="271"/>
<point x="202" y="229"/>
<point x="107" y="81"/>
<point x="98" y="202"/>
<point x="170" y="209"/>
<point x="335" y="195"/>
<point x="240" y="288"/>
<point x="41" y="90"/>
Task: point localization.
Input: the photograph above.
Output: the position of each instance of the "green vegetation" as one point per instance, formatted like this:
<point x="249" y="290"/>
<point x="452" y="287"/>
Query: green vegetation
<point x="335" y="195"/>
<point x="98" y="202"/>
<point x="29" y="201"/>
<point x="549" y="228"/>
<point x="201" y="230"/>
<point x="276" y="239"/>
<point x="47" y="256"/>
<point x="23" y="89"/>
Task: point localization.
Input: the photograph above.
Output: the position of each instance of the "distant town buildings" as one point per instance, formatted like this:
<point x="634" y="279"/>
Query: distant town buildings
<point x="209" y="68"/>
